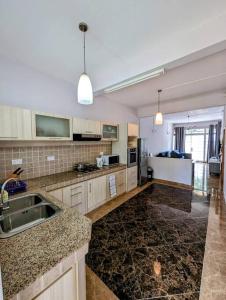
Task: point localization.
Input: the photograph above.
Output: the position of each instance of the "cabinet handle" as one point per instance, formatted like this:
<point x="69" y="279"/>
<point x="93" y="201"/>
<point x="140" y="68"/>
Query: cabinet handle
<point x="90" y="187"/>
<point x="76" y="194"/>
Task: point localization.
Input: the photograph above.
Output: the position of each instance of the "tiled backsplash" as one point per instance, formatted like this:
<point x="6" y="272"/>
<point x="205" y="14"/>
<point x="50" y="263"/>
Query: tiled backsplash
<point x="34" y="157"/>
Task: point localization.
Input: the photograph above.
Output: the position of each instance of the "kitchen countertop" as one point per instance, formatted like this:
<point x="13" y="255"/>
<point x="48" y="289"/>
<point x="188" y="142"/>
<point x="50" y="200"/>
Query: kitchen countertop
<point x="59" y="180"/>
<point x="29" y="255"/>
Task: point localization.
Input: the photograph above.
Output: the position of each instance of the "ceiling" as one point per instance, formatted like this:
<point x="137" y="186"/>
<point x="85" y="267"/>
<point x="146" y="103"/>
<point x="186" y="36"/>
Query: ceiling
<point x="199" y="115"/>
<point x="203" y="76"/>
<point x="44" y="35"/>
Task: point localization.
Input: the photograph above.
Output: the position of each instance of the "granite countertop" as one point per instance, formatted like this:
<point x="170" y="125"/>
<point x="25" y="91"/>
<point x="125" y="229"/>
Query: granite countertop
<point x="27" y="256"/>
<point x="30" y="254"/>
<point x="59" y="180"/>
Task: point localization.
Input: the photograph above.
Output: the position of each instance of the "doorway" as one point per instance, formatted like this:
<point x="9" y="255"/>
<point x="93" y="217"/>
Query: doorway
<point x="196" y="142"/>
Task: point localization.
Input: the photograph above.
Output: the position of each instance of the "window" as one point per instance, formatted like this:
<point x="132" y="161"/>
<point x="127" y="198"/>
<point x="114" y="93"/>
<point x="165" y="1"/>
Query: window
<point x="196" y="142"/>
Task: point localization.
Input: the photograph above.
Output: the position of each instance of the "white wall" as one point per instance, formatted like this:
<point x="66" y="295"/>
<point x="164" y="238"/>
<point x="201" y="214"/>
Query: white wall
<point x="26" y="87"/>
<point x="159" y="138"/>
<point x="172" y="169"/>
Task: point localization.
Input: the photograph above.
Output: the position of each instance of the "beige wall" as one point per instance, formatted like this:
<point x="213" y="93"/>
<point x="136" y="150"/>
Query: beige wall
<point x="34" y="157"/>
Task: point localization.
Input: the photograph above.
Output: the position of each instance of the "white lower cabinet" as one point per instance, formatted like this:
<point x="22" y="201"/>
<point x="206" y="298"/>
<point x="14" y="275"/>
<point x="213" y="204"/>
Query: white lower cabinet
<point x="57" y="194"/>
<point x="63" y="288"/>
<point x="97" y="192"/>
<point x="68" y="285"/>
<point x="75" y="196"/>
<point x="131" y="178"/>
<point x="88" y="195"/>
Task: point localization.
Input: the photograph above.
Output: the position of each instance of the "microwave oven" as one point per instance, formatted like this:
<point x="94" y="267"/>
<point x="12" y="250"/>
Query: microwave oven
<point x="110" y="159"/>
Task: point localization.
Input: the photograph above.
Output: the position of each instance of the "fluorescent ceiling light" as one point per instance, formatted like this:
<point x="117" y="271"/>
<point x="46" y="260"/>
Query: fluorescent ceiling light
<point x="135" y="80"/>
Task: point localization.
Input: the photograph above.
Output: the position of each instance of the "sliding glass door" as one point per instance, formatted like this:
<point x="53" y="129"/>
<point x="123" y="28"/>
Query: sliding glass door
<point x="196" y="142"/>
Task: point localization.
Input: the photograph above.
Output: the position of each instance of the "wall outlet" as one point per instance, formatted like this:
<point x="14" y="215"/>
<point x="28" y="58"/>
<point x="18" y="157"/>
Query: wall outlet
<point x="18" y="161"/>
<point x="50" y="158"/>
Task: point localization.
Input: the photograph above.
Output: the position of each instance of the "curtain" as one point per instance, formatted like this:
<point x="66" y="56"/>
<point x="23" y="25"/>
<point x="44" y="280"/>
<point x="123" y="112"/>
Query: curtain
<point x="211" y="142"/>
<point x="214" y="140"/>
<point x="218" y="139"/>
<point x="179" y="139"/>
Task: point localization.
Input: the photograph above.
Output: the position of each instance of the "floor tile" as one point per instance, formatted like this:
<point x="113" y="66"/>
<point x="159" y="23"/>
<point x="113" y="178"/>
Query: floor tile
<point x="152" y="246"/>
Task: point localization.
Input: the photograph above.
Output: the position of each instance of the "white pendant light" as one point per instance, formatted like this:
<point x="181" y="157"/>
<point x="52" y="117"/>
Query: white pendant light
<point x="159" y="116"/>
<point x="85" y="90"/>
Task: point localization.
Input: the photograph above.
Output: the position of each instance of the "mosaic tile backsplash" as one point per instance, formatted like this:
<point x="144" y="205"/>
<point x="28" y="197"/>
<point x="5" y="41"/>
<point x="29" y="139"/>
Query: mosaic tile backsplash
<point x="34" y="158"/>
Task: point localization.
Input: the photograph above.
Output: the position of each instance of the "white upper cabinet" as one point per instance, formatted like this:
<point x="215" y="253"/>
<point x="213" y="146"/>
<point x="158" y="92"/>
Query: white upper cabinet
<point x="83" y="126"/>
<point x="133" y="130"/>
<point x="51" y="127"/>
<point x="15" y="123"/>
<point x="110" y="131"/>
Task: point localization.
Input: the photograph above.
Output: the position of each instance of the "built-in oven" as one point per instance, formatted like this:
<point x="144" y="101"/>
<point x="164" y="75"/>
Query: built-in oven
<point x="131" y="157"/>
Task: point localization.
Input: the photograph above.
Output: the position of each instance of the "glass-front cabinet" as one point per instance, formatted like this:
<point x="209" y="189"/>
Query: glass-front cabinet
<point x="110" y="132"/>
<point x="51" y="127"/>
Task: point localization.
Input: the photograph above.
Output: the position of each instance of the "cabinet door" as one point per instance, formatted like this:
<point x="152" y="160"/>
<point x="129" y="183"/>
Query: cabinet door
<point x="24" y="124"/>
<point x="62" y="289"/>
<point x="110" y="132"/>
<point x="86" y="126"/>
<point x="133" y="130"/>
<point x="58" y="194"/>
<point x="121" y="182"/>
<point x="131" y="178"/>
<point x="50" y="127"/>
<point x="99" y="190"/>
<point x="93" y="127"/>
<point x="8" y="122"/>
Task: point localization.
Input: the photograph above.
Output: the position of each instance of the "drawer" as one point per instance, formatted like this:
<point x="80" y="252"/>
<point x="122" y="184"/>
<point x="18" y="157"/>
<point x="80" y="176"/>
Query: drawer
<point x="76" y="199"/>
<point x="76" y="189"/>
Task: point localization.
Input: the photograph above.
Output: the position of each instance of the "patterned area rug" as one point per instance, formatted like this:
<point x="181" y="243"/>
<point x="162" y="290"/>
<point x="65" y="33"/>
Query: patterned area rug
<point x="152" y="246"/>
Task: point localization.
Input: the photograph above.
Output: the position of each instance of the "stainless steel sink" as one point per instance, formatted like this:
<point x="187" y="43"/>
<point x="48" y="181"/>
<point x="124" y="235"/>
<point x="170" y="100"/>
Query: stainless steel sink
<point x="24" y="201"/>
<point x="26" y="212"/>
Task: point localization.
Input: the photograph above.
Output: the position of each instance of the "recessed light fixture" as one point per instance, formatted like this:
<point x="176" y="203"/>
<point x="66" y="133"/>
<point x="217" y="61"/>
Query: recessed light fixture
<point x="159" y="116"/>
<point x="135" y="80"/>
<point x="85" y="90"/>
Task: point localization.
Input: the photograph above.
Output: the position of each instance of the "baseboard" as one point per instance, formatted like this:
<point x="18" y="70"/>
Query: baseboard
<point x="172" y="183"/>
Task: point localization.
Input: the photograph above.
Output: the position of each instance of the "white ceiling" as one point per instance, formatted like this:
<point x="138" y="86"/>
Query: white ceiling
<point x="206" y="75"/>
<point x="199" y="115"/>
<point x="44" y="35"/>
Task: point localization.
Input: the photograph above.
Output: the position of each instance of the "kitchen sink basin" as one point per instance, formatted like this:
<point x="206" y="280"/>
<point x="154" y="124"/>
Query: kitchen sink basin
<point x="24" y="201"/>
<point x="26" y="212"/>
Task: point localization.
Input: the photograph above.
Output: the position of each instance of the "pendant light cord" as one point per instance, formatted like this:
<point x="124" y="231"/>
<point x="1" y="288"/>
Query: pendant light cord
<point x="84" y="51"/>
<point x="159" y="91"/>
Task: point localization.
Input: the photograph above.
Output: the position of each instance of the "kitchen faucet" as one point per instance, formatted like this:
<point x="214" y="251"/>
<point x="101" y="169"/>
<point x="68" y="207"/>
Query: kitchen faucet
<point x="3" y="205"/>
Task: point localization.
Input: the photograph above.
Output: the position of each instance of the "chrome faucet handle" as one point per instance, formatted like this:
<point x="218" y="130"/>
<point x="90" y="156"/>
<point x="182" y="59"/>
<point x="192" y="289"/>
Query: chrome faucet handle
<point x="3" y="205"/>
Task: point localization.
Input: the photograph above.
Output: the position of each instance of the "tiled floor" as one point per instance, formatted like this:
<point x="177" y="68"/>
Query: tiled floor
<point x="202" y="179"/>
<point x="152" y="246"/>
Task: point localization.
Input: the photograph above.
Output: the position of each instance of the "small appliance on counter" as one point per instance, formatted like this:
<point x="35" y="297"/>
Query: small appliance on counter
<point x="99" y="162"/>
<point x="110" y="159"/>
